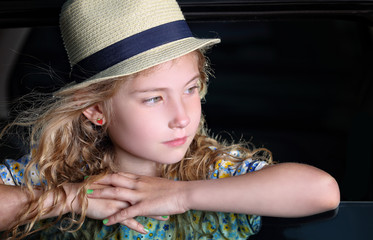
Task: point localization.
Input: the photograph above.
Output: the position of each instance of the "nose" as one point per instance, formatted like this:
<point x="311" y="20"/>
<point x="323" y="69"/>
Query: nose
<point x="179" y="113"/>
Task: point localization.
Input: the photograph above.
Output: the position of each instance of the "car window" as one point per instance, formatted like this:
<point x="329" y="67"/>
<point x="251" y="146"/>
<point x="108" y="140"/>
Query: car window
<point x="297" y="80"/>
<point x="300" y="88"/>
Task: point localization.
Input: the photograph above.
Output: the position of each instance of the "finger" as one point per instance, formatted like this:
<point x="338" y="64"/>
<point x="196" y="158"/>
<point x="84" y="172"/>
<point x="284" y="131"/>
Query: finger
<point x="114" y="193"/>
<point x="125" y="214"/>
<point x="161" y="218"/>
<point x="125" y="180"/>
<point x="98" y="186"/>
<point x="132" y="224"/>
<point x="133" y="211"/>
<point x="128" y="175"/>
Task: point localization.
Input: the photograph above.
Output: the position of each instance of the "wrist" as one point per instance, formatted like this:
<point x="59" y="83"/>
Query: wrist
<point x="72" y="203"/>
<point x="198" y="195"/>
<point x="188" y="188"/>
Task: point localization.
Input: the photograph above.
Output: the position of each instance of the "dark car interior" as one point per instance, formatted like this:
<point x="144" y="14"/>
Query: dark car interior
<point x="295" y="77"/>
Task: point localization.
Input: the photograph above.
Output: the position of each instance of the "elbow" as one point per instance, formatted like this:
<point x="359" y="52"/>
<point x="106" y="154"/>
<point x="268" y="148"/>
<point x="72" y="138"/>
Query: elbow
<point x="4" y="225"/>
<point x="329" y="195"/>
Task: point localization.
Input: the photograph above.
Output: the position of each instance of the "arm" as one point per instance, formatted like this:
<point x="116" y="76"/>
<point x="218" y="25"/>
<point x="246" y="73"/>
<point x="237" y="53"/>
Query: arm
<point x="284" y="190"/>
<point x="13" y="199"/>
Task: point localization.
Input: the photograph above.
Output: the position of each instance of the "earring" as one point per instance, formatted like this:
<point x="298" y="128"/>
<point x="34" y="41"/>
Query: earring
<point x="99" y="121"/>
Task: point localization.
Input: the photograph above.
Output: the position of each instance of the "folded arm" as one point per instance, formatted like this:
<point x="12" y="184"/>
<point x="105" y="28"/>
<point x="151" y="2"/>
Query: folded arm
<point x="13" y="200"/>
<point x="282" y="190"/>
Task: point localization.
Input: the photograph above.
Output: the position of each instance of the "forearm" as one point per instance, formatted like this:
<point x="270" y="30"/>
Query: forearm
<point x="13" y="201"/>
<point x="283" y="190"/>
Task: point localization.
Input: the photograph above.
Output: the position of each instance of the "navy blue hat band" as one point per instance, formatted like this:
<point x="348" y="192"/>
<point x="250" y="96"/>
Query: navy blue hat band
<point x="129" y="47"/>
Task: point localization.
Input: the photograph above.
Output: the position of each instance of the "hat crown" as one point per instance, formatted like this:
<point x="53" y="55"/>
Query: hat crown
<point x="88" y="26"/>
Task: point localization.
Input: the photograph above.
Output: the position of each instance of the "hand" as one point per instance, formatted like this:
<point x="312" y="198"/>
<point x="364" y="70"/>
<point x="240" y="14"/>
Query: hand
<point x="103" y="208"/>
<point x="147" y="196"/>
<point x="97" y="208"/>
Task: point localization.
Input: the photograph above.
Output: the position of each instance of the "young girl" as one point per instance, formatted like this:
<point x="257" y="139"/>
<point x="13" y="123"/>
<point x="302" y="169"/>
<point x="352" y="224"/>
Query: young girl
<point x="123" y="153"/>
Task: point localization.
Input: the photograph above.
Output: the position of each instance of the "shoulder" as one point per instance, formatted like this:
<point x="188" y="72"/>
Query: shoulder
<point x="12" y="171"/>
<point x="226" y="166"/>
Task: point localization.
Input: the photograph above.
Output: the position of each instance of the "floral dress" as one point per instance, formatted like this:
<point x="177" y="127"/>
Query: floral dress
<point x="221" y="225"/>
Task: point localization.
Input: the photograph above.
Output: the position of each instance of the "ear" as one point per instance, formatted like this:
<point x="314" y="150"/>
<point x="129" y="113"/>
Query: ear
<point x="95" y="115"/>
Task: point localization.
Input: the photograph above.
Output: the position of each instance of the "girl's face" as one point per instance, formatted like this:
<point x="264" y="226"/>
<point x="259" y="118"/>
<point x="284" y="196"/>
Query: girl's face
<point x="157" y="114"/>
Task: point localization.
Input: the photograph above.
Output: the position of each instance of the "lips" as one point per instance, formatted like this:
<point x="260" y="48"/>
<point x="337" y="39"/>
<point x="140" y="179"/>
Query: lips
<point x="176" y="142"/>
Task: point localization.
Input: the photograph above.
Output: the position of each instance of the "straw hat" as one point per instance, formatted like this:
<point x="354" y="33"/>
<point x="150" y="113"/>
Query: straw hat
<point x="112" y="38"/>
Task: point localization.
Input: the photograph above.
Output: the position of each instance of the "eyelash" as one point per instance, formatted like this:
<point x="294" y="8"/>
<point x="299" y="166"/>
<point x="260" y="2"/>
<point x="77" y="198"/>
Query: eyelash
<point x="191" y="90"/>
<point x="157" y="99"/>
<point x="153" y="100"/>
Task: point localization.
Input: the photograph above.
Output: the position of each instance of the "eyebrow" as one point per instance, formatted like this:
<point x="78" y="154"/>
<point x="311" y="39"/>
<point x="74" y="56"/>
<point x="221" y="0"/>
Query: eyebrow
<point x="163" y="89"/>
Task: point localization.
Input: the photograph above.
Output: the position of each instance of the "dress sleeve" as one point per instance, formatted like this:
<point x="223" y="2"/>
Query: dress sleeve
<point x="235" y="226"/>
<point x="225" y="168"/>
<point x="12" y="172"/>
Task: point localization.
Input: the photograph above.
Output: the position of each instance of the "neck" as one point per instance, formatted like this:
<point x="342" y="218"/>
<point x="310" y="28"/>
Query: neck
<point x="130" y="164"/>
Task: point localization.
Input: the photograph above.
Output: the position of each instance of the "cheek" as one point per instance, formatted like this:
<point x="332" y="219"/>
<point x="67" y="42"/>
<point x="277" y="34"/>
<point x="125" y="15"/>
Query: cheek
<point x="128" y="127"/>
<point x="195" y="112"/>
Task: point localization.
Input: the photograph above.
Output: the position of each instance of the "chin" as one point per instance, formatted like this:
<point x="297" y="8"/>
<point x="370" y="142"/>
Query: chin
<point x="171" y="155"/>
<point x="173" y="159"/>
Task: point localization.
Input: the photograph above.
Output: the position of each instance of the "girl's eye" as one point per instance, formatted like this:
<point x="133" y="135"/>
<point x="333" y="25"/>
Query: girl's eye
<point x="191" y="90"/>
<point x="153" y="100"/>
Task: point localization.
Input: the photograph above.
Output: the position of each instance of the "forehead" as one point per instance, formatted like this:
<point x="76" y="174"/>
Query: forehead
<point x="183" y="67"/>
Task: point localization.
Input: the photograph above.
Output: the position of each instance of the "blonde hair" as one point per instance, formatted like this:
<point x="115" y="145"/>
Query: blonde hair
<point x="64" y="140"/>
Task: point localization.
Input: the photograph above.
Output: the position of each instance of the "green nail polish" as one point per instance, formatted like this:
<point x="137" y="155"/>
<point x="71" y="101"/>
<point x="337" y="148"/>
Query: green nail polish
<point x="105" y="221"/>
<point x="86" y="177"/>
<point x="146" y="229"/>
<point x="164" y="217"/>
<point x="89" y="191"/>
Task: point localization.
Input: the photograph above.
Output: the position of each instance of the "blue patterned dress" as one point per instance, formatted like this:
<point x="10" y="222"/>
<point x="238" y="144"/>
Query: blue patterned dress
<point x="222" y="225"/>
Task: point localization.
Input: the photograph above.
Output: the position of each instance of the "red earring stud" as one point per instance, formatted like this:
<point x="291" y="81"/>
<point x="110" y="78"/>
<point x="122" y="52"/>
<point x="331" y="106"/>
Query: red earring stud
<point x="99" y="121"/>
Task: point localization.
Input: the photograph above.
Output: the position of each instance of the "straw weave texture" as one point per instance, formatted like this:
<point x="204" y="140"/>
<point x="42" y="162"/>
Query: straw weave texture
<point x="88" y="26"/>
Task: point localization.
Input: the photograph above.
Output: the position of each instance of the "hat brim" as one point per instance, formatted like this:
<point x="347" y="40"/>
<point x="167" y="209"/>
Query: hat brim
<point x="146" y="60"/>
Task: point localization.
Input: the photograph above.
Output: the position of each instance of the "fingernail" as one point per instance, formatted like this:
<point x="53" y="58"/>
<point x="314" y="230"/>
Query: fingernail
<point x="164" y="217"/>
<point x="146" y="229"/>
<point x="89" y="191"/>
<point x="105" y="221"/>
<point x="86" y="177"/>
